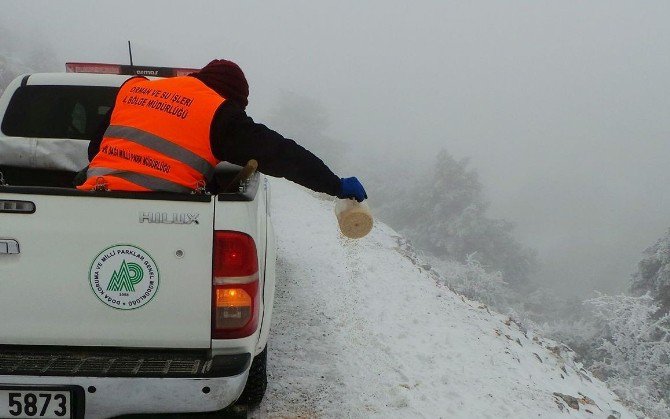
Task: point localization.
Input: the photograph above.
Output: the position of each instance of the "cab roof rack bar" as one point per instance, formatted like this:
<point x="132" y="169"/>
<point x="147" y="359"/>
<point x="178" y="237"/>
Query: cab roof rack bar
<point x="127" y="70"/>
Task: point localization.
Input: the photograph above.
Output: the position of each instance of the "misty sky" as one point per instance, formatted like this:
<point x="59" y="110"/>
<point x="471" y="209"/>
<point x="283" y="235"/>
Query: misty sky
<point x="562" y="105"/>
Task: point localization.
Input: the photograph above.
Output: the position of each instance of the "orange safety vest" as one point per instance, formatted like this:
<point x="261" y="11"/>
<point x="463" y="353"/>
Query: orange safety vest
<point x="158" y="138"/>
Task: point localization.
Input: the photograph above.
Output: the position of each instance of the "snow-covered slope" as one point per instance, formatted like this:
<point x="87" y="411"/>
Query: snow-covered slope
<point x="361" y="331"/>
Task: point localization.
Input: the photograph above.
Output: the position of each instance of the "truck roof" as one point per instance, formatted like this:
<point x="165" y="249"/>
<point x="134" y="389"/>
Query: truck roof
<point x="74" y="79"/>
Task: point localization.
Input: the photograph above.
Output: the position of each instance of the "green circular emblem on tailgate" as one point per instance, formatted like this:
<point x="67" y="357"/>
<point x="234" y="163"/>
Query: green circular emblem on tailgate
<point x="124" y="277"/>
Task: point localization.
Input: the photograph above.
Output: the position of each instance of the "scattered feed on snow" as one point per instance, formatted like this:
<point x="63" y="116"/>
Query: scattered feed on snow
<point x="362" y="330"/>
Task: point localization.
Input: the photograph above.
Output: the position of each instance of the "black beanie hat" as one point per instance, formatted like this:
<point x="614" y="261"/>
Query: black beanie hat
<point x="227" y="79"/>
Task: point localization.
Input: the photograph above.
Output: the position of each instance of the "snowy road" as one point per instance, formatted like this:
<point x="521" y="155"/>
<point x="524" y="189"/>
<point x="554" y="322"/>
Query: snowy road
<point x="361" y="331"/>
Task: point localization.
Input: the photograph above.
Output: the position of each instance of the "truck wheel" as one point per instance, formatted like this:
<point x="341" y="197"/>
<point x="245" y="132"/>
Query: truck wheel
<point x="257" y="382"/>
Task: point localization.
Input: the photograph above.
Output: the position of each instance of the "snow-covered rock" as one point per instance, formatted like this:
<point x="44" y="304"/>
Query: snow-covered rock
<point x="361" y="330"/>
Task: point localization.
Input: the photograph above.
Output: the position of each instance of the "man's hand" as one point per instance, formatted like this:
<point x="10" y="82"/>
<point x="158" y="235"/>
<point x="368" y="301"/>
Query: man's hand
<point x="350" y="187"/>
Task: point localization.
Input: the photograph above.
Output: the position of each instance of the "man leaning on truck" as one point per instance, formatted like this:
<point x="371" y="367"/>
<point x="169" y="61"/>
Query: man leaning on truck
<point x="169" y="134"/>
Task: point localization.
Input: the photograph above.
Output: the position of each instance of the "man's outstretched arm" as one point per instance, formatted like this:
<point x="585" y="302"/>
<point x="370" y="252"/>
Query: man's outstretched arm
<point x="236" y="138"/>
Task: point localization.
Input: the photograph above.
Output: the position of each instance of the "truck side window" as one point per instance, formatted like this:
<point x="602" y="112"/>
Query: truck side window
<point x="50" y="111"/>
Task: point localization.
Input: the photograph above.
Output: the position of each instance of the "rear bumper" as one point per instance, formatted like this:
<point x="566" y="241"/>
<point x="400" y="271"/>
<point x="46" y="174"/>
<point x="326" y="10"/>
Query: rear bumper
<point x="116" y="381"/>
<point x="119" y="362"/>
<point x="111" y="396"/>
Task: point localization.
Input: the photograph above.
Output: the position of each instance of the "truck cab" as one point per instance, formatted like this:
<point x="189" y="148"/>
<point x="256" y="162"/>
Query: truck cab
<point x="122" y="302"/>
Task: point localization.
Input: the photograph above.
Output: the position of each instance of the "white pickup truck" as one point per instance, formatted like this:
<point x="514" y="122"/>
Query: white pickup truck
<point x="113" y="302"/>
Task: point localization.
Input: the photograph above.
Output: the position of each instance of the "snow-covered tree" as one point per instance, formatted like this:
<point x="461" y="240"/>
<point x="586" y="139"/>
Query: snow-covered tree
<point x="471" y="280"/>
<point x="445" y="214"/>
<point x="635" y="350"/>
<point x="9" y="69"/>
<point x="653" y="275"/>
<point x="23" y="53"/>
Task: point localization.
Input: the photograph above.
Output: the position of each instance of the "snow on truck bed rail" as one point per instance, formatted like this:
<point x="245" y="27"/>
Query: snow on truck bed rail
<point x="359" y="330"/>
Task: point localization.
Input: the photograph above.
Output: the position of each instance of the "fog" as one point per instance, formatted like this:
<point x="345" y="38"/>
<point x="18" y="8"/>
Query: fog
<point x="562" y="106"/>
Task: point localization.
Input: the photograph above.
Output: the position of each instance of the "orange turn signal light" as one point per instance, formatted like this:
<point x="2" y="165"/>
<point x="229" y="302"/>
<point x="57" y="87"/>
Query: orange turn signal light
<point x="232" y="297"/>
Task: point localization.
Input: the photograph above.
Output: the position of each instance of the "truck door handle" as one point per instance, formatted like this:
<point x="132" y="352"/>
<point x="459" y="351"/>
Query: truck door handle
<point x="9" y="247"/>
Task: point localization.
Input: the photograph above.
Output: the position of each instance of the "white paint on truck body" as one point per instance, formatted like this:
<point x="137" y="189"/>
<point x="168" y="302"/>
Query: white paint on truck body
<point x="46" y="296"/>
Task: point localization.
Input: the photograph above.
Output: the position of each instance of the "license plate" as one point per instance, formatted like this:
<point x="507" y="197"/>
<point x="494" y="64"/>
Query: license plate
<point x="25" y="402"/>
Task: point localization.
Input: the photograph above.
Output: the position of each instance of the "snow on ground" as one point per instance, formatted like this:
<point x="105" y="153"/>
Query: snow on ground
<point x="359" y="330"/>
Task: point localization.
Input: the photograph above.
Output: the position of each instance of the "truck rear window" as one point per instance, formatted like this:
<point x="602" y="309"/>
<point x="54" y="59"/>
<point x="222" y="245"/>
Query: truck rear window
<point x="45" y="111"/>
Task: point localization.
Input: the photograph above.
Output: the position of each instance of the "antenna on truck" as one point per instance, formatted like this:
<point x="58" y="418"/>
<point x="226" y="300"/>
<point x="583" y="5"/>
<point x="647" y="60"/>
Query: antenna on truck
<point x="130" y="52"/>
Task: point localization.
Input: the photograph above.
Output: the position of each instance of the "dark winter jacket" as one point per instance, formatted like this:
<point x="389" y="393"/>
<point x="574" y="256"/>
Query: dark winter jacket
<point x="236" y="138"/>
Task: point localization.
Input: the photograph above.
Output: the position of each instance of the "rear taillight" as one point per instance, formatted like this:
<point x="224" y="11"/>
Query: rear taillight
<point x="235" y="296"/>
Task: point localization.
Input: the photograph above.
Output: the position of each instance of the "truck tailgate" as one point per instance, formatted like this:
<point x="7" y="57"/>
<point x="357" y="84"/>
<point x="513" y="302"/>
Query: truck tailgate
<point x="107" y="271"/>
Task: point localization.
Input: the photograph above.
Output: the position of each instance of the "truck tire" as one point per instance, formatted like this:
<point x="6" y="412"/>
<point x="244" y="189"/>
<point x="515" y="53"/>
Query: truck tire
<point x="257" y="382"/>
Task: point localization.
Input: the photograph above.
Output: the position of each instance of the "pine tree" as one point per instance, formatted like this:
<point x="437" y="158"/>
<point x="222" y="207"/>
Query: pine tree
<point x="653" y="275"/>
<point x="445" y="214"/>
<point x="635" y="350"/>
